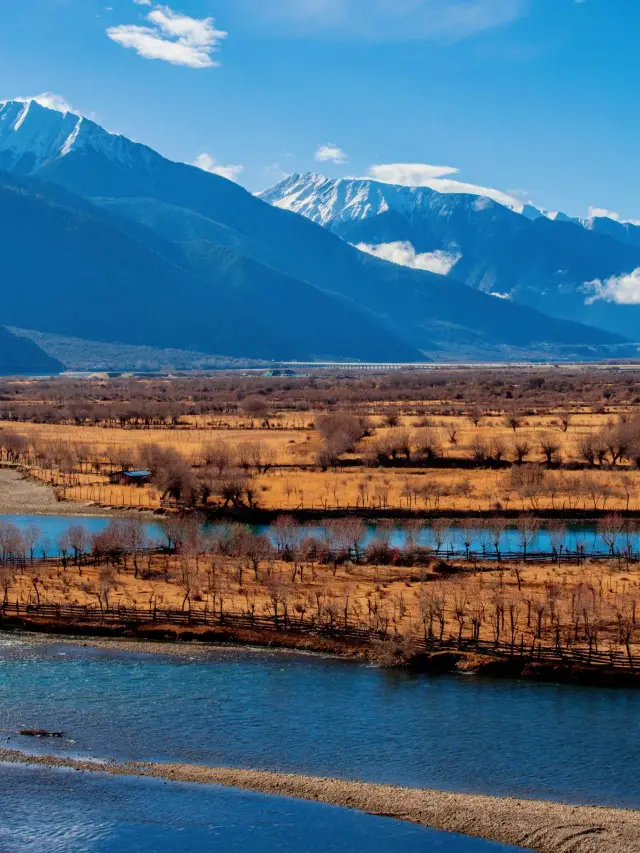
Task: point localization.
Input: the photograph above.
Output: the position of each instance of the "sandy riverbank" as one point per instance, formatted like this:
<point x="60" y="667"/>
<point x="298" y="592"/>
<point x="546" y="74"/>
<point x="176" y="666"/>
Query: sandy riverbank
<point x="131" y="646"/>
<point x="535" y="825"/>
<point x="20" y="495"/>
<point x="191" y="646"/>
<point x="187" y="649"/>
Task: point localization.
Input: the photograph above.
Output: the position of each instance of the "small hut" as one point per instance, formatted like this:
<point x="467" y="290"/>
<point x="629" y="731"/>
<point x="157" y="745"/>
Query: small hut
<point x="130" y="478"/>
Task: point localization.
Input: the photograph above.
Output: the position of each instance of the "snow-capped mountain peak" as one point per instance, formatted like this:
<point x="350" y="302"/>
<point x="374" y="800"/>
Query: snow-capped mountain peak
<point x="34" y="135"/>
<point x="325" y="200"/>
<point x="31" y="134"/>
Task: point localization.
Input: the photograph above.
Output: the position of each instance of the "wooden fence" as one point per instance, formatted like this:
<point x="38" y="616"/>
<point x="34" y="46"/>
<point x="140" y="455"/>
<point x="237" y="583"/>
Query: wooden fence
<point x="529" y="649"/>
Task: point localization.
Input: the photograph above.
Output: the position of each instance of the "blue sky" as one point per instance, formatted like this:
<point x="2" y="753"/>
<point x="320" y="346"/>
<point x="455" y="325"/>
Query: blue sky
<point x="534" y="97"/>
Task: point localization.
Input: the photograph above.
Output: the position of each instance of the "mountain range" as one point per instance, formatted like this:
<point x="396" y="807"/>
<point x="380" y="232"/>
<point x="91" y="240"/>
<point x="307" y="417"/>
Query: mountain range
<point x="553" y="263"/>
<point x="21" y="356"/>
<point x="103" y="239"/>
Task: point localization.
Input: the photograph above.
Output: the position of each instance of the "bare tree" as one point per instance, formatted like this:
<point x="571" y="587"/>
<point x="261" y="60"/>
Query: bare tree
<point x="520" y="449"/>
<point x="550" y="448"/>
<point x="512" y="420"/>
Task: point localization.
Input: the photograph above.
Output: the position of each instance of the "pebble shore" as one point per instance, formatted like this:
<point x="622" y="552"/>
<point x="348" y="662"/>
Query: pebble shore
<point x="189" y="649"/>
<point x="20" y="495"/>
<point x="540" y="826"/>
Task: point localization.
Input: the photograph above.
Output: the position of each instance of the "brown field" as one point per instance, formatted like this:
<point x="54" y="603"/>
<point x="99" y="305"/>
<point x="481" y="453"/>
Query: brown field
<point x="432" y="442"/>
<point x="520" y="603"/>
<point x="295" y="481"/>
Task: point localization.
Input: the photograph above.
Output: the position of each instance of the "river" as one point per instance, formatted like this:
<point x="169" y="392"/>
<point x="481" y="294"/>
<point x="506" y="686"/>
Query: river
<point x="290" y="713"/>
<point x="578" y="536"/>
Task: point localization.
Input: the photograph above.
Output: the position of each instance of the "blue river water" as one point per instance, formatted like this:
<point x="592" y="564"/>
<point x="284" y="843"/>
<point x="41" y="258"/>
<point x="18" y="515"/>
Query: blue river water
<point x="313" y="715"/>
<point x="584" y="536"/>
<point x="240" y="708"/>
<point x="59" y="811"/>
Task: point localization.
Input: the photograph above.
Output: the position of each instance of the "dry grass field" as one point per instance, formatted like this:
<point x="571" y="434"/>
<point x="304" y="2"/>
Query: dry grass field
<point x="440" y="443"/>
<point x="295" y="480"/>
<point x="578" y="606"/>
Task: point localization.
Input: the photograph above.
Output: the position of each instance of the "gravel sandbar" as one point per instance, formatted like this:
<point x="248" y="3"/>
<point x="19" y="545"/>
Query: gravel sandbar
<point x="541" y="826"/>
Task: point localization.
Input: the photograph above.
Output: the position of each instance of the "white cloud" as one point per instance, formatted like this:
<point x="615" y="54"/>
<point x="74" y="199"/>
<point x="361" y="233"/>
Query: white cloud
<point x="51" y="101"/>
<point x="404" y="254"/>
<point x="424" y="175"/>
<point x="500" y="295"/>
<point x="386" y="20"/>
<point x="603" y="213"/>
<point x="208" y="163"/>
<point x="330" y="154"/>
<point x="409" y="174"/>
<point x="622" y="289"/>
<point x="172" y="37"/>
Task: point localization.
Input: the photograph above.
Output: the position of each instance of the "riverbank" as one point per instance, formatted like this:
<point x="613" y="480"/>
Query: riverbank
<point x="543" y="827"/>
<point x="177" y="648"/>
<point x="183" y="642"/>
<point x="198" y="641"/>
<point x="21" y="495"/>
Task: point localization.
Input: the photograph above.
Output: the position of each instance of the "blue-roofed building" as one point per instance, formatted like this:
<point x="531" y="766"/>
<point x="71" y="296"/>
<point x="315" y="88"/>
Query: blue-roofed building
<point x="130" y="478"/>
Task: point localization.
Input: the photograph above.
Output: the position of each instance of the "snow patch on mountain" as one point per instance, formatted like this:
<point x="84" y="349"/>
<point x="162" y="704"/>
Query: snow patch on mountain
<point x="438" y="178"/>
<point x="34" y="134"/>
<point x="403" y="253"/>
<point x="326" y="200"/>
<point x="47" y="99"/>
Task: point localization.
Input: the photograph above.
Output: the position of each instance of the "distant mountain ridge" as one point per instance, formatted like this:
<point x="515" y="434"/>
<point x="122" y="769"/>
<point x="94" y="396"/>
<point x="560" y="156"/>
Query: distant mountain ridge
<point x="546" y="262"/>
<point x="88" y="278"/>
<point x="109" y="240"/>
<point x="19" y="356"/>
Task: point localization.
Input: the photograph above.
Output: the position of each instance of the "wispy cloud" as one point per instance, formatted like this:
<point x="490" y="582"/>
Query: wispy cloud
<point x="409" y="174"/>
<point x="51" y="101"/>
<point x="387" y="20"/>
<point x="330" y="154"/>
<point x="171" y="37"/>
<point x="435" y="177"/>
<point x="404" y="254"/>
<point x="603" y="213"/>
<point x="208" y="163"/>
<point x="622" y="289"/>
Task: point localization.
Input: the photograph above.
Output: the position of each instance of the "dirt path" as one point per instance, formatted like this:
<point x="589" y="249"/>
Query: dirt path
<point x="22" y="496"/>
<point x="540" y="826"/>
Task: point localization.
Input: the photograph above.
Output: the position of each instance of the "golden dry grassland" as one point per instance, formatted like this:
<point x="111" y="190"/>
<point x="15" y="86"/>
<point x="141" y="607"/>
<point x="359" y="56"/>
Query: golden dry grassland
<point x="517" y="602"/>
<point x="294" y="480"/>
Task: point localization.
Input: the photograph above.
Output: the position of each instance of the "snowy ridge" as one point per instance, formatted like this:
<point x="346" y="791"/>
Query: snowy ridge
<point x="324" y="200"/>
<point x="32" y="136"/>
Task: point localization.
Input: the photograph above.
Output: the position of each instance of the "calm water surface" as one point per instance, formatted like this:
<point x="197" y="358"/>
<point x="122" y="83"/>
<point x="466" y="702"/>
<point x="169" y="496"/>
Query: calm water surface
<point x="54" y="811"/>
<point x="586" y="536"/>
<point x="323" y="717"/>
